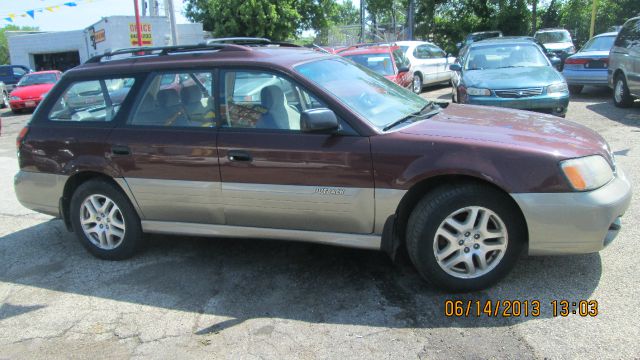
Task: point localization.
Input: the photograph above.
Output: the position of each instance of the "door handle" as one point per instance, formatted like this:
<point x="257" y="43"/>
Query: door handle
<point x="120" y="150"/>
<point x="239" y="155"/>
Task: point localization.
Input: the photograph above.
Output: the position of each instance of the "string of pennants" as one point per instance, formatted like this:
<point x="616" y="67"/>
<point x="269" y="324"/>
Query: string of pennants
<point x="32" y="13"/>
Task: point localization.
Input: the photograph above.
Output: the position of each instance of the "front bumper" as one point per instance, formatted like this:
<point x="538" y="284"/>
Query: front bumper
<point x="575" y="223"/>
<point x="556" y="105"/>
<point x="24" y="104"/>
<point x="586" y="77"/>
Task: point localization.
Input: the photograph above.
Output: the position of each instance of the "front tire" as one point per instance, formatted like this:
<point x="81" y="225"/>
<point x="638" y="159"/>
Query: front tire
<point x="5" y="100"/>
<point x="575" y="89"/>
<point x="104" y="220"/>
<point x="465" y="238"/>
<point x="621" y="96"/>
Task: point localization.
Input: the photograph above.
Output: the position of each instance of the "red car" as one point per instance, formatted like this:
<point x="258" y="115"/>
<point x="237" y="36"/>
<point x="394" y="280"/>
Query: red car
<point x="31" y="89"/>
<point x="386" y="60"/>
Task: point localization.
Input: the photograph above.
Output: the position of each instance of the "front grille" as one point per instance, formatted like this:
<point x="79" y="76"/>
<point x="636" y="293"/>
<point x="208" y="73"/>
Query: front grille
<point x="518" y="93"/>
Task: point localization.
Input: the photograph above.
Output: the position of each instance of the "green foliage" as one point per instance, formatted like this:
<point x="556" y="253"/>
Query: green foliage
<point x="4" y="49"/>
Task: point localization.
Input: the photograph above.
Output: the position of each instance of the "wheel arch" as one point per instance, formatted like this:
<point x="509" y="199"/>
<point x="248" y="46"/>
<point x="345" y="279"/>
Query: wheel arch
<point x="79" y="178"/>
<point x="394" y="235"/>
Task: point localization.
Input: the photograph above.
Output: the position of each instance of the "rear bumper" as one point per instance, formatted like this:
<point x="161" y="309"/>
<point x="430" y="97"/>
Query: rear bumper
<point x="575" y="223"/>
<point x="40" y="192"/>
<point x="586" y="77"/>
<point x="556" y="105"/>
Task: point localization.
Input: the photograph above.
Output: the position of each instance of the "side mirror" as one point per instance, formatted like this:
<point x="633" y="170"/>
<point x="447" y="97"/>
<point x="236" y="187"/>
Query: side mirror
<point x="459" y="45"/>
<point x="318" y="120"/>
<point x="403" y="69"/>
<point x="455" y="67"/>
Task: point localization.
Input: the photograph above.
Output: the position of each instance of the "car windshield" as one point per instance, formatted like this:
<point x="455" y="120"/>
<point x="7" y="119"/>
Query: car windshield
<point x="553" y="37"/>
<point x="505" y="56"/>
<point x="35" y="79"/>
<point x="600" y="43"/>
<point x="370" y="95"/>
<point x="380" y="63"/>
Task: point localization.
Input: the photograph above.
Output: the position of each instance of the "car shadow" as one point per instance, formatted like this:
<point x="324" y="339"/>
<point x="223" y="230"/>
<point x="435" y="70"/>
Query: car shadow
<point x="7" y="113"/>
<point x="246" y="279"/>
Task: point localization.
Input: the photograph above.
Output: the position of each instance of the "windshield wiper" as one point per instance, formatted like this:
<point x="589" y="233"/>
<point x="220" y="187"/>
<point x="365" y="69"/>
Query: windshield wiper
<point x="416" y="116"/>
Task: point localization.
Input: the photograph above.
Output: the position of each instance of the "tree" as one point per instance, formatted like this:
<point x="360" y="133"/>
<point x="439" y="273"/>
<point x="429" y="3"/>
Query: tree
<point x="4" y="47"/>
<point x="273" y="19"/>
<point x="346" y="14"/>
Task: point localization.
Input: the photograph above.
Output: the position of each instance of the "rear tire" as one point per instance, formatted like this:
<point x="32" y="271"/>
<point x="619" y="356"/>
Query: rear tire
<point x="621" y="96"/>
<point x="575" y="89"/>
<point x="416" y="86"/>
<point x="459" y="265"/>
<point x="104" y="220"/>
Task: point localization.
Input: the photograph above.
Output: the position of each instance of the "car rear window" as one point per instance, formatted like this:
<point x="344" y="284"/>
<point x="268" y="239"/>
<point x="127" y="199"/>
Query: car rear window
<point x="92" y="100"/>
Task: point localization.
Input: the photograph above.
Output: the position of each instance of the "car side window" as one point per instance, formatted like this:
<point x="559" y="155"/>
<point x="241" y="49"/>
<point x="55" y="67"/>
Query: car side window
<point x="92" y="100"/>
<point x="263" y="100"/>
<point x="179" y="99"/>
<point x="437" y="52"/>
<point x="17" y="71"/>
<point x="422" y="52"/>
<point x="629" y="35"/>
<point x="400" y="59"/>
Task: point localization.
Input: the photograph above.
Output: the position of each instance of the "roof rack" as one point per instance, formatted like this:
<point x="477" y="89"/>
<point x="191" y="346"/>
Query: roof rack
<point x="249" y="41"/>
<point x="165" y="50"/>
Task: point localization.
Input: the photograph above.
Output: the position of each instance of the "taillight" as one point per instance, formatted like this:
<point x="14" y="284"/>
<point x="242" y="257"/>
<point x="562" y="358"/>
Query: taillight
<point x="578" y="61"/>
<point x="21" y="136"/>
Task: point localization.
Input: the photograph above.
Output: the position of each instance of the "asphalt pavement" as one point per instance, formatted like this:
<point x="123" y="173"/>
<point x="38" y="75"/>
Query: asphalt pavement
<point x="200" y="298"/>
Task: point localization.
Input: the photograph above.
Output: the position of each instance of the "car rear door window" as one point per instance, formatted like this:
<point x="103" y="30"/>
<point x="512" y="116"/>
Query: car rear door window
<point x="92" y="100"/>
<point x="422" y="52"/>
<point x="629" y="35"/>
<point x="178" y="99"/>
<point x="262" y="100"/>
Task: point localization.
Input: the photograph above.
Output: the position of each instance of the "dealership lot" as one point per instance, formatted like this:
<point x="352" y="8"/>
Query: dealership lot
<point x="192" y="297"/>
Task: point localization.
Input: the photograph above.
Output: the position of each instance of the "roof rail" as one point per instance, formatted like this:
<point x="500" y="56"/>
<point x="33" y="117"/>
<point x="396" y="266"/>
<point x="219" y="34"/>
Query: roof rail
<point x="165" y="50"/>
<point x="249" y="41"/>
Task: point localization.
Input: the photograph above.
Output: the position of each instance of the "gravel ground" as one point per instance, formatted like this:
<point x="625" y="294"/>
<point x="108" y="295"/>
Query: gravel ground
<point x="220" y="298"/>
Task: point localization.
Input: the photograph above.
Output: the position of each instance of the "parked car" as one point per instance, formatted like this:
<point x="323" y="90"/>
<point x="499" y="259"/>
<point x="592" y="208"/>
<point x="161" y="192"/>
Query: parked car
<point x="624" y="64"/>
<point x="11" y="74"/>
<point x="4" y="96"/>
<point x="509" y="72"/>
<point x="590" y="65"/>
<point x="477" y="36"/>
<point x="557" y="40"/>
<point x="31" y="89"/>
<point x="348" y="159"/>
<point x="430" y="64"/>
<point x="386" y="60"/>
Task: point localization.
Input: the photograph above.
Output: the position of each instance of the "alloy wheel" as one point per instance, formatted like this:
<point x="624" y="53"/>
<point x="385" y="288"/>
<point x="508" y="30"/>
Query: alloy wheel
<point x="102" y="222"/>
<point x="417" y="84"/>
<point x="618" y="92"/>
<point x="470" y="242"/>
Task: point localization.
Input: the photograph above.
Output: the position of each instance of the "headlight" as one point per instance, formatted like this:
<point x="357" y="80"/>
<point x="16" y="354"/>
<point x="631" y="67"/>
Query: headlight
<point x="557" y="89"/>
<point x="14" y="98"/>
<point x="587" y="173"/>
<point x="478" y="92"/>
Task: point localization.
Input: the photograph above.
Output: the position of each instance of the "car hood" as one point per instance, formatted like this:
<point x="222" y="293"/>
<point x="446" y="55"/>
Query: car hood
<point x="558" y="46"/>
<point x="514" y="129"/>
<point x="509" y="78"/>
<point x="590" y="54"/>
<point x="31" y="91"/>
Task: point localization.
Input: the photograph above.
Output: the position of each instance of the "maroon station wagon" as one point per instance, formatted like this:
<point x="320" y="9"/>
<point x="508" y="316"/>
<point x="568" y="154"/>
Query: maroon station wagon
<point x="278" y="142"/>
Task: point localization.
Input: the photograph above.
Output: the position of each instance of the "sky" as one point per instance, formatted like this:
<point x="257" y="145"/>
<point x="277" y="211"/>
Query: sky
<point x="72" y="18"/>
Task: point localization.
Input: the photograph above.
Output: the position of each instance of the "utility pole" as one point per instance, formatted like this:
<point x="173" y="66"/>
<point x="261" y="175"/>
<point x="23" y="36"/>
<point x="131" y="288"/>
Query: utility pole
<point x="138" y="25"/>
<point x="172" y="21"/>
<point x="593" y="18"/>
<point x="410" y="19"/>
<point x="361" y="21"/>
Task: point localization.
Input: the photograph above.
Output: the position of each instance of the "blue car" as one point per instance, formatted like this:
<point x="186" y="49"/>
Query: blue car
<point x="589" y="66"/>
<point x="509" y="72"/>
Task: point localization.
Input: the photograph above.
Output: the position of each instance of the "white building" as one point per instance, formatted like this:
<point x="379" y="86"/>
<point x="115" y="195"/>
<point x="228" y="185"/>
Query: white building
<point x="62" y="50"/>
